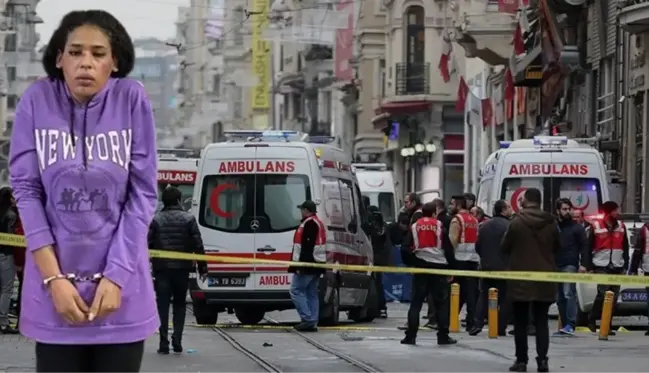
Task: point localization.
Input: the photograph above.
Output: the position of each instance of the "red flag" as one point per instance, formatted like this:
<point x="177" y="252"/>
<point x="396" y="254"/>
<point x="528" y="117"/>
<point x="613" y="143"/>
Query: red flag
<point x="525" y="2"/>
<point x="508" y="6"/>
<point x="519" y="44"/>
<point x="443" y="67"/>
<point x="509" y="85"/>
<point x="487" y="112"/>
<point x="462" y="93"/>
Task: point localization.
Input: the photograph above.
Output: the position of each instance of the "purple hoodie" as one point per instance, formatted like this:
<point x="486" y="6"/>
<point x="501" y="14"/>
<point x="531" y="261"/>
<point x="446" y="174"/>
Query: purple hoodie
<point x="85" y="181"/>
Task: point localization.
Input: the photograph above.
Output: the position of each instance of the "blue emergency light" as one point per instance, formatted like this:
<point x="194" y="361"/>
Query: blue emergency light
<point x="504" y="144"/>
<point x="550" y="140"/>
<point x="260" y="134"/>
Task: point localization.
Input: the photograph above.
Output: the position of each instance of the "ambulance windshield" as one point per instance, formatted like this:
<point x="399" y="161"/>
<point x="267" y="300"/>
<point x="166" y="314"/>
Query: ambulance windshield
<point x="585" y="193"/>
<point x="384" y="201"/>
<point x="187" y="190"/>
<point x="238" y="203"/>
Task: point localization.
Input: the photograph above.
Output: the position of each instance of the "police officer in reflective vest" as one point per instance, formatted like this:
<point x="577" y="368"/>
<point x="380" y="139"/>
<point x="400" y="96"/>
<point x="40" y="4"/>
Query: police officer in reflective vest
<point x="425" y="248"/>
<point x="309" y="244"/>
<point x="640" y="258"/>
<point x="609" y="255"/>
<point x="463" y="233"/>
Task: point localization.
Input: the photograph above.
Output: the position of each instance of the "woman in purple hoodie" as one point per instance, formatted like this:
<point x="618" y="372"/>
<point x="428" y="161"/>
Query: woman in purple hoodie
<point x="83" y="169"/>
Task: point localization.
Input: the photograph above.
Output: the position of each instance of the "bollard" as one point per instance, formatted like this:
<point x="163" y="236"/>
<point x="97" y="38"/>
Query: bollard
<point x="454" y="322"/>
<point x="493" y="313"/>
<point x="607" y="313"/>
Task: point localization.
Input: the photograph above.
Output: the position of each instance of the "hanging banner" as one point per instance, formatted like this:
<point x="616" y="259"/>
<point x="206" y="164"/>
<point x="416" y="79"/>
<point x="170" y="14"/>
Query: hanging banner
<point x="261" y="55"/>
<point x="508" y="6"/>
<point x="344" y="48"/>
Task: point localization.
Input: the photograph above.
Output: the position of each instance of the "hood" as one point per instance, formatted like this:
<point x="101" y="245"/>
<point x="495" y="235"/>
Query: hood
<point x="536" y="218"/>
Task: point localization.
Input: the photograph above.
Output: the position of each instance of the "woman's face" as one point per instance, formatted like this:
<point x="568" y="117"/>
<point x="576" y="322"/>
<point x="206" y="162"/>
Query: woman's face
<point x="87" y="61"/>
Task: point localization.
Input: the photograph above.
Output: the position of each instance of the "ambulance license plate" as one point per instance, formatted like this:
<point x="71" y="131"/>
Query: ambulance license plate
<point x="639" y="295"/>
<point x="227" y="281"/>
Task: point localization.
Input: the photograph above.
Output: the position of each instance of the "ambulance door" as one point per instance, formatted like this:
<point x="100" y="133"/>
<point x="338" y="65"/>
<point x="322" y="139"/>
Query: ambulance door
<point x="227" y="218"/>
<point x="282" y="183"/>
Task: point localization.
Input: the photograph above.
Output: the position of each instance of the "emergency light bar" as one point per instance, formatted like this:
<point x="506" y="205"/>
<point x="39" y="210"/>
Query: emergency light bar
<point x="265" y="135"/>
<point x="178" y="153"/>
<point x="504" y="144"/>
<point x="369" y="167"/>
<point x="550" y="140"/>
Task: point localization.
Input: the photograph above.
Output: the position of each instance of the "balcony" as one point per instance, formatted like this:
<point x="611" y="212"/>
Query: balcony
<point x="412" y="79"/>
<point x="485" y="33"/>
<point x="634" y="16"/>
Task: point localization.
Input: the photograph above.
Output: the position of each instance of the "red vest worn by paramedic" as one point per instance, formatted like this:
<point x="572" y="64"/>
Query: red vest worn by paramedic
<point x="465" y="250"/>
<point x="645" y="249"/>
<point x="319" y="251"/>
<point x="427" y="233"/>
<point x="608" y="246"/>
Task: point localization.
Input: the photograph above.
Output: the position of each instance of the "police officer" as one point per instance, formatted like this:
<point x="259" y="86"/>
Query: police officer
<point x="609" y="254"/>
<point x="463" y="234"/>
<point x="424" y="245"/>
<point x="640" y="258"/>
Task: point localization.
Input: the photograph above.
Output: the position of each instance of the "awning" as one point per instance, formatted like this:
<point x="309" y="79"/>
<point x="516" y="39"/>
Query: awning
<point x="380" y="121"/>
<point x="529" y="70"/>
<point x="405" y="107"/>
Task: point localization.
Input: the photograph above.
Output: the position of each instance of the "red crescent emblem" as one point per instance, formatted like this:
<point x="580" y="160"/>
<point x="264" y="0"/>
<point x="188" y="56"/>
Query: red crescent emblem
<point x="516" y="199"/>
<point x="214" y="200"/>
<point x="585" y="206"/>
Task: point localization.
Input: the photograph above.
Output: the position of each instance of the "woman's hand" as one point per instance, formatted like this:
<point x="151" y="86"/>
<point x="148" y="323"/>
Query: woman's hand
<point x="108" y="298"/>
<point x="68" y="302"/>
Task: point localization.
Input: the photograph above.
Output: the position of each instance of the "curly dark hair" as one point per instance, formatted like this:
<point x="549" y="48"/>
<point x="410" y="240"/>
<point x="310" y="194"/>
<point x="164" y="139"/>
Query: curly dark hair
<point x="120" y="41"/>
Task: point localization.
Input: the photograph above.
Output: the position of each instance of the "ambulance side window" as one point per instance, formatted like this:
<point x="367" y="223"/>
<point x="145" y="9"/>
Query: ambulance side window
<point x="483" y="196"/>
<point x="332" y="204"/>
<point x="361" y="207"/>
<point x="349" y="203"/>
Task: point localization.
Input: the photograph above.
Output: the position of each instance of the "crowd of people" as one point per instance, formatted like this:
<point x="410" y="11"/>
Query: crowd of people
<point x="463" y="237"/>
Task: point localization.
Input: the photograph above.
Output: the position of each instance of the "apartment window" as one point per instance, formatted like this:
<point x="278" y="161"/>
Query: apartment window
<point x="216" y="84"/>
<point x="285" y="108"/>
<point x="416" y="45"/>
<point x="11" y="73"/>
<point x="12" y="101"/>
<point x="10" y="42"/>
<point x="297" y="105"/>
<point x="237" y="99"/>
<point x="238" y="26"/>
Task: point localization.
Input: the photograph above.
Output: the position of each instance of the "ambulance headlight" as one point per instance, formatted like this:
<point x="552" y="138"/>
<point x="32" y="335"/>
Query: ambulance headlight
<point x="419" y="148"/>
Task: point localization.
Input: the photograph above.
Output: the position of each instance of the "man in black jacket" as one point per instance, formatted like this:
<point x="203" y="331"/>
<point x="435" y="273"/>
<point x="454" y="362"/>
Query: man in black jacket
<point x="414" y="206"/>
<point x="490" y="235"/>
<point x="574" y="249"/>
<point x="173" y="229"/>
<point x="382" y="249"/>
<point x="309" y="236"/>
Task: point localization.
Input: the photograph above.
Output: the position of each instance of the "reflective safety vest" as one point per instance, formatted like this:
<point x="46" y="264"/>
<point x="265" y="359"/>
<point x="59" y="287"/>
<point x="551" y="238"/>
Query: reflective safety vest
<point x="645" y="249"/>
<point x="608" y="246"/>
<point x="320" y="249"/>
<point x="427" y="233"/>
<point x="465" y="250"/>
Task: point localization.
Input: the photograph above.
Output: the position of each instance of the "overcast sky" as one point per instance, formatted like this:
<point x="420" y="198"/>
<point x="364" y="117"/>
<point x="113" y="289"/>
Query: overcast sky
<point x="142" y="18"/>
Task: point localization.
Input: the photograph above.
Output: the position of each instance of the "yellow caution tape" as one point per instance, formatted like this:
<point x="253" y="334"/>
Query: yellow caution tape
<point x="582" y="278"/>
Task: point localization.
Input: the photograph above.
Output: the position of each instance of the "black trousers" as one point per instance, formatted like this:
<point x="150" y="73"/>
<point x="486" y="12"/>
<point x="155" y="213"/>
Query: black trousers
<point x="596" y="312"/>
<point x="437" y="287"/>
<point x="125" y="357"/>
<point x="521" y="321"/>
<point x="504" y="306"/>
<point x="171" y="289"/>
<point x="469" y="291"/>
<point x="380" y="291"/>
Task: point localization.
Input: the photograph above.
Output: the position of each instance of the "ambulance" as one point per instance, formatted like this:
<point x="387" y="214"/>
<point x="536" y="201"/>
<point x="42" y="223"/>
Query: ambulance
<point x="377" y="184"/>
<point x="560" y="168"/>
<point x="178" y="167"/>
<point x="246" y="202"/>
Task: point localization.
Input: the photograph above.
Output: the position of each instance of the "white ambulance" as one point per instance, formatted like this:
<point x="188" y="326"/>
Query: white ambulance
<point x="560" y="168"/>
<point x="246" y="202"/>
<point x="177" y="167"/>
<point x="377" y="184"/>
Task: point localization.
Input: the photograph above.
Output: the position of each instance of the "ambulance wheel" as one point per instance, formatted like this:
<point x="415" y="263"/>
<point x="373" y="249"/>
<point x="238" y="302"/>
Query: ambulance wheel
<point x="249" y="316"/>
<point x="330" y="311"/>
<point x="204" y="314"/>
<point x="370" y="309"/>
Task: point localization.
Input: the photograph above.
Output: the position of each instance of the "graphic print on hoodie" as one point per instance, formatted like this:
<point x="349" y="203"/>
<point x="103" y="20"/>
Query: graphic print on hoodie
<point x="84" y="177"/>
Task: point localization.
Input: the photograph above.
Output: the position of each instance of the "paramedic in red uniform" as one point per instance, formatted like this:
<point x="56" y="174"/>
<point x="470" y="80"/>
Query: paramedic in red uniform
<point x="308" y="247"/>
<point x="463" y="233"/>
<point x="640" y="258"/>
<point x="609" y="255"/>
<point x="424" y="248"/>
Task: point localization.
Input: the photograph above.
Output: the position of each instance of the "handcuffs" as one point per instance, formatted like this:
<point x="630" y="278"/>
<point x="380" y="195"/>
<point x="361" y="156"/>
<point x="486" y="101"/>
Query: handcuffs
<point x="73" y="278"/>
